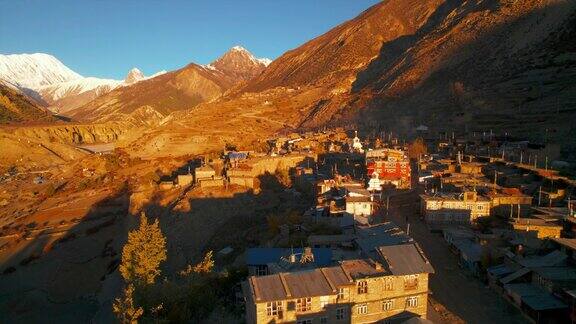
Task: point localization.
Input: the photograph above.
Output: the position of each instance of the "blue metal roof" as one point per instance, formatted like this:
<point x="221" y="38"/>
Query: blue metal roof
<point x="261" y="256"/>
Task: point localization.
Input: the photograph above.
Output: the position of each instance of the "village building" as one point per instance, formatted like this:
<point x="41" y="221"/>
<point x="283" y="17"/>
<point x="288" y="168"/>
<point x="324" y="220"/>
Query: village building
<point x="204" y="173"/>
<point x="355" y="291"/>
<point x="184" y="180"/>
<point x="362" y="208"/>
<point x="509" y="202"/>
<point x="390" y="166"/>
<point x="540" y="228"/>
<point x="454" y="208"/>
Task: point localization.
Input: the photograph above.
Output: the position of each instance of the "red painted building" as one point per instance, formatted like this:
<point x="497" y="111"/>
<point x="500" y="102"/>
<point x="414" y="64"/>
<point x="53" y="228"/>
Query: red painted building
<point x="391" y="166"/>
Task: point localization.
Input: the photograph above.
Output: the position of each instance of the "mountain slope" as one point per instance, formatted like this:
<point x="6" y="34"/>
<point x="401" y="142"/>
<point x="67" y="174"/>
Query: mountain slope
<point x="452" y="65"/>
<point x="34" y="70"/>
<point x="480" y="65"/>
<point x="16" y="107"/>
<point x="177" y="90"/>
<point x="332" y="60"/>
<point x="240" y="64"/>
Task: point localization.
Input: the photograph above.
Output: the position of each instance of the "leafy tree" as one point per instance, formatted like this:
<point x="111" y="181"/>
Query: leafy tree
<point x="143" y="253"/>
<point x="203" y="267"/>
<point x="417" y="148"/>
<point x="124" y="308"/>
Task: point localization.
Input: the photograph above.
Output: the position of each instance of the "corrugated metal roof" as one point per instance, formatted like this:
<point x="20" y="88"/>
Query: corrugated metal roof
<point x="569" y="243"/>
<point x="308" y="284"/>
<point x="361" y="268"/>
<point x="268" y="288"/>
<point x="513" y="276"/>
<point x="553" y="258"/>
<point x="534" y="297"/>
<point x="337" y="277"/>
<point x="405" y="259"/>
<point x="317" y="282"/>
<point x="557" y="273"/>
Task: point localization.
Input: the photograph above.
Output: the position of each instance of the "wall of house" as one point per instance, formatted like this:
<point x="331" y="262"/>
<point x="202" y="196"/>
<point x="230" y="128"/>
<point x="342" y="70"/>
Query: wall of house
<point x="378" y="292"/>
<point x="359" y="208"/>
<point x="185" y="179"/>
<point x="211" y="183"/>
<point x="435" y="209"/>
<point x="540" y="231"/>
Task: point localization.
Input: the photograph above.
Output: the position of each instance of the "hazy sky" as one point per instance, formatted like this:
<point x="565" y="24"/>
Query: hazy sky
<point x="105" y="38"/>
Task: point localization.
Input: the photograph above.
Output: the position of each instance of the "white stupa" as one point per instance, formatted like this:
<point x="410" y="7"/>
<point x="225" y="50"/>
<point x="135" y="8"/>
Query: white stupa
<point x="356" y="144"/>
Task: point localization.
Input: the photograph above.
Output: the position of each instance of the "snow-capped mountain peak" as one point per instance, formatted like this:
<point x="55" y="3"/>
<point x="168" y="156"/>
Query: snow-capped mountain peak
<point x="33" y="71"/>
<point x="240" y="63"/>
<point x="134" y="76"/>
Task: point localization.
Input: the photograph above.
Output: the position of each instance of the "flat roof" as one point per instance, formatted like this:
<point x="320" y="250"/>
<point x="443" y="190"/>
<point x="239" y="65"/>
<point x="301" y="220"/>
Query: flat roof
<point x="405" y="259"/>
<point x="567" y="242"/>
<point x="311" y="283"/>
<point x="261" y="256"/>
<point x="534" y="297"/>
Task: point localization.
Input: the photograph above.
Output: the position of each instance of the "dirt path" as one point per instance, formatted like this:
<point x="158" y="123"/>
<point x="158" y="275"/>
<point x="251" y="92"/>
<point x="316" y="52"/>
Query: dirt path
<point x="458" y="292"/>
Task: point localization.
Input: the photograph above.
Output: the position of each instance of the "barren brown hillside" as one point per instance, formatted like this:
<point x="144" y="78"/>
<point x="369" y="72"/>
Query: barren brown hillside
<point x="452" y="65"/>
<point x="148" y="101"/>
<point x="16" y="107"/>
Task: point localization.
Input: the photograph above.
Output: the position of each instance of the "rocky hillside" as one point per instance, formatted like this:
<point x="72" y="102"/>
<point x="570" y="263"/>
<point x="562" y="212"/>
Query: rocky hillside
<point x="149" y="101"/>
<point x="240" y="64"/>
<point x="505" y="65"/>
<point x="15" y="107"/>
<point x="475" y="65"/>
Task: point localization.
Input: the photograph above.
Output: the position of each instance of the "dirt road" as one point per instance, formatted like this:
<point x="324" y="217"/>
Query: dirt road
<point x="460" y="293"/>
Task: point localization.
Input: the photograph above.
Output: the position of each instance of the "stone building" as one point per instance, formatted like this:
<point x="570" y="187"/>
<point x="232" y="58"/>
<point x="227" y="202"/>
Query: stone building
<point x="460" y="208"/>
<point x="355" y="291"/>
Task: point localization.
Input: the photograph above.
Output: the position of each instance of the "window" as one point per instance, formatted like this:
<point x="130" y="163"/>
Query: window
<point x="262" y="270"/>
<point x="362" y="287"/>
<point x="324" y="320"/>
<point x="340" y="313"/>
<point x="340" y="295"/>
<point x="324" y="301"/>
<point x="274" y="308"/>
<point x="387" y="305"/>
<point x="362" y="309"/>
<point x="388" y="284"/>
<point x="410" y="282"/>
<point x="304" y="321"/>
<point x="412" y="302"/>
<point x="303" y="304"/>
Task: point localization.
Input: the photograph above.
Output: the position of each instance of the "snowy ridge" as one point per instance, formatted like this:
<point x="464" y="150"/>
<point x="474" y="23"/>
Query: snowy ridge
<point x="34" y="70"/>
<point x="74" y="87"/>
<point x="265" y="61"/>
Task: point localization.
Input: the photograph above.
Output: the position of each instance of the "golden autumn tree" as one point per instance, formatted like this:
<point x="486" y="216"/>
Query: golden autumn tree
<point x="203" y="267"/>
<point x="143" y="254"/>
<point x="417" y="148"/>
<point x="124" y="308"/>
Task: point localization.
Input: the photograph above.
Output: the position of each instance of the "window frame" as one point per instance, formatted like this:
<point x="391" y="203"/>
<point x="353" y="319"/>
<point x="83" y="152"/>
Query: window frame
<point x="303" y="304"/>
<point x="341" y="294"/>
<point x="340" y="313"/>
<point x="362" y="309"/>
<point x="362" y="286"/>
<point x="274" y="308"/>
<point x="388" y="284"/>
<point x="388" y="304"/>
<point x="411" y="282"/>
<point x="412" y="302"/>
<point x="261" y="270"/>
